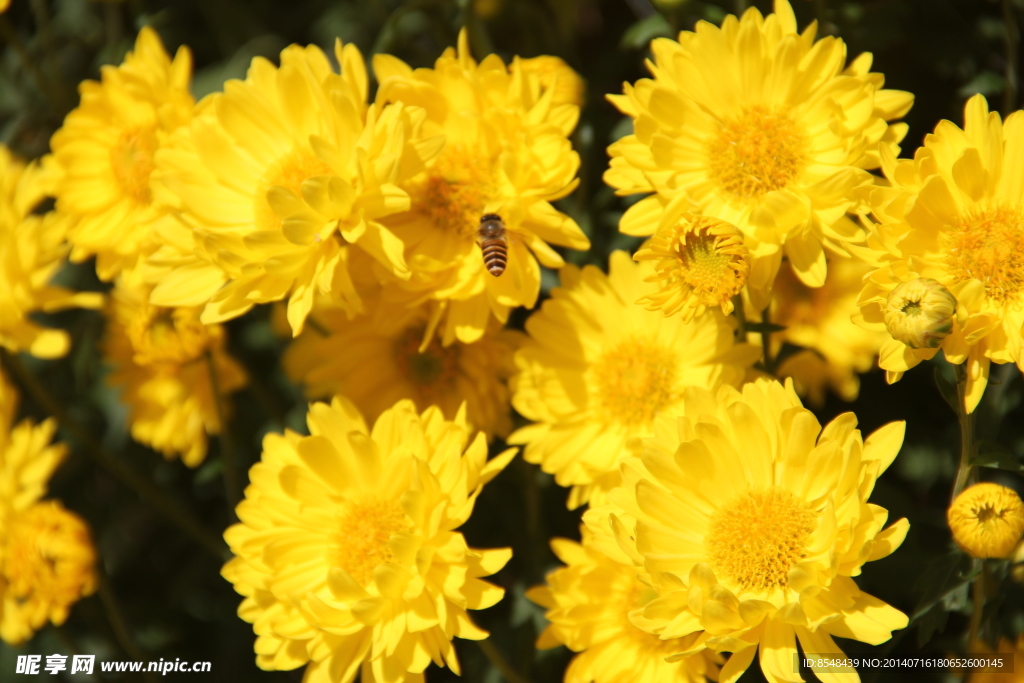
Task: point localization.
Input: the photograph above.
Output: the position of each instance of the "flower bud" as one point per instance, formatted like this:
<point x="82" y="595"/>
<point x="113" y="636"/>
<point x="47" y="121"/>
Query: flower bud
<point x="987" y="520"/>
<point x="920" y="313"/>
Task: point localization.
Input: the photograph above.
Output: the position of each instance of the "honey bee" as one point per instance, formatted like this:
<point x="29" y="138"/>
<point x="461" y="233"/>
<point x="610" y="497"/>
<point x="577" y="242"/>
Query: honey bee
<point x="493" y="243"/>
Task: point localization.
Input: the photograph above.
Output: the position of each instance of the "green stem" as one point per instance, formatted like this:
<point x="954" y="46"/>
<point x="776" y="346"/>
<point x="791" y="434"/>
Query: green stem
<point x="495" y="658"/>
<point x="821" y="14"/>
<point x="766" y="342"/>
<point x="265" y="395"/>
<point x="532" y="517"/>
<point x="979" y="605"/>
<point x="966" y="431"/>
<point x="1012" y="58"/>
<point x="115" y="616"/>
<point x="112" y="24"/>
<point x="741" y="318"/>
<point x="66" y="641"/>
<point x="144" y="488"/>
<point x="42" y="16"/>
<point x="232" y="480"/>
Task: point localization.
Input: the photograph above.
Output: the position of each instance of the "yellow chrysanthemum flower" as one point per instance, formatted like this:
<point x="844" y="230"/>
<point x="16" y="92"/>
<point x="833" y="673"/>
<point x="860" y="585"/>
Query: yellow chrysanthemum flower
<point x="106" y="151"/>
<point x="276" y="178"/>
<point x="700" y="263"/>
<point x="375" y="360"/>
<point x="762" y="127"/>
<point x="161" y="360"/>
<point x="751" y="521"/>
<point x="506" y="152"/>
<point x="47" y="560"/>
<point x="818" y="319"/>
<point x="32" y="249"/>
<point x="987" y="520"/>
<point x="598" y="369"/>
<point x="348" y="554"/>
<point x="47" y="565"/>
<point x="954" y="214"/>
<point x="589" y="602"/>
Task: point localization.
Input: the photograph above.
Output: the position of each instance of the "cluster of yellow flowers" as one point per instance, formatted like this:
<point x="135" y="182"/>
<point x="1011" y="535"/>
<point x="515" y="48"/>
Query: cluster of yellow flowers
<point x="47" y="559"/>
<point x="722" y="517"/>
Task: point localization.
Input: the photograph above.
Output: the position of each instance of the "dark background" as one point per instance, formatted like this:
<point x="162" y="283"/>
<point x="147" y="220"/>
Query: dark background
<point x="164" y="597"/>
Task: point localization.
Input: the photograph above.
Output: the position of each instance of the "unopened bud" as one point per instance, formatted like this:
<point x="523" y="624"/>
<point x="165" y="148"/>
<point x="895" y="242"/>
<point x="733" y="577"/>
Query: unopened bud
<point x="920" y="313"/>
<point x="987" y="520"/>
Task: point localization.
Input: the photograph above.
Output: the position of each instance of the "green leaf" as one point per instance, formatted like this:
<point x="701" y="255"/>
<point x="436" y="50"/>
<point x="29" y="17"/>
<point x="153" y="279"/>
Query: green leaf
<point x="931" y="622"/>
<point x="939" y="587"/>
<point x="644" y="31"/>
<point x="765" y="328"/>
<point x="210" y="470"/>
<point x="714" y="14"/>
<point x="986" y="83"/>
<point x="991" y="454"/>
<point x="623" y="128"/>
<point x="947" y="389"/>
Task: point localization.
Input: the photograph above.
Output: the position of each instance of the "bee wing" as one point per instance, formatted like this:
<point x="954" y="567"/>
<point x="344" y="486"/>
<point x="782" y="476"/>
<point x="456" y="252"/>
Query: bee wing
<point x="521" y="279"/>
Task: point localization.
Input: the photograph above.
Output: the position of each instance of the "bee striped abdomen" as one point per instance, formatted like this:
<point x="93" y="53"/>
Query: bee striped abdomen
<point x="493" y="243"/>
<point x="495" y="255"/>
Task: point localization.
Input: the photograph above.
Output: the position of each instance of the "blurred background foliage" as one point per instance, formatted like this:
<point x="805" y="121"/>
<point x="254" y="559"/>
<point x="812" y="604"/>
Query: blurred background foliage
<point x="162" y="596"/>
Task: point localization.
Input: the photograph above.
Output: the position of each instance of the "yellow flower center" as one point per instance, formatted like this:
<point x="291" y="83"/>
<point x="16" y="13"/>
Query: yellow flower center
<point x="988" y="512"/>
<point x="131" y="159"/>
<point x="49" y="556"/>
<point x="756" y="153"/>
<point x="433" y="371"/>
<point x="364" y="532"/>
<point x="988" y="245"/>
<point x="706" y="269"/>
<point x="757" y="538"/>
<point x="912" y="309"/>
<point x="167" y="335"/>
<point x="700" y="262"/>
<point x="289" y="172"/>
<point x="710" y="258"/>
<point x="634" y="381"/>
<point x="455" y="191"/>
